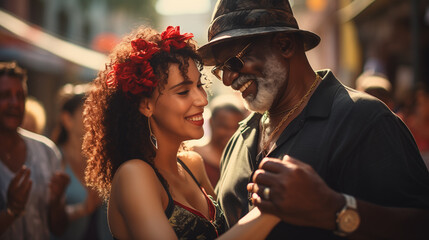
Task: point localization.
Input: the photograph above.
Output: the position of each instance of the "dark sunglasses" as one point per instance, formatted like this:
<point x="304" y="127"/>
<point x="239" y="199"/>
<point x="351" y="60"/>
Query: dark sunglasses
<point x="234" y="64"/>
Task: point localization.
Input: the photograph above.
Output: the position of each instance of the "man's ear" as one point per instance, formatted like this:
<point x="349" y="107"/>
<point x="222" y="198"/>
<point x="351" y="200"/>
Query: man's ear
<point x="146" y="107"/>
<point x="285" y="43"/>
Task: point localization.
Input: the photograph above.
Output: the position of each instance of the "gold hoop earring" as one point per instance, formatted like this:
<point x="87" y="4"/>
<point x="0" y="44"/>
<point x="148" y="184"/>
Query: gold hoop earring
<point x="152" y="137"/>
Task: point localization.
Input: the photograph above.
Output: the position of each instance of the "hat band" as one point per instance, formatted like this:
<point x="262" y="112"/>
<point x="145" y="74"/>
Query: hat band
<point x="251" y="19"/>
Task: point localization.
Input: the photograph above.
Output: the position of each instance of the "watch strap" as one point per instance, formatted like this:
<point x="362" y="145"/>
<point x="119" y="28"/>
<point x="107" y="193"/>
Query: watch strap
<point x="350" y="202"/>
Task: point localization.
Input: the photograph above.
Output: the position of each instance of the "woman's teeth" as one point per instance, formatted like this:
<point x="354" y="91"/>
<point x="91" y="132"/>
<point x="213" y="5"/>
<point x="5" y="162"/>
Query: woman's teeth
<point x="196" y="118"/>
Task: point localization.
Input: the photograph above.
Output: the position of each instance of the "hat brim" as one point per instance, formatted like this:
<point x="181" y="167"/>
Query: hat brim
<point x="310" y="39"/>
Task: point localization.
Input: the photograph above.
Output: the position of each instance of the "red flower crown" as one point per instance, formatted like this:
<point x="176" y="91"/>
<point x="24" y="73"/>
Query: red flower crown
<point x="135" y="75"/>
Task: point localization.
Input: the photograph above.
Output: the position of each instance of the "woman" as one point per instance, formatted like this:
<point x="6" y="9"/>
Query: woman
<point x="147" y="101"/>
<point x="86" y="215"/>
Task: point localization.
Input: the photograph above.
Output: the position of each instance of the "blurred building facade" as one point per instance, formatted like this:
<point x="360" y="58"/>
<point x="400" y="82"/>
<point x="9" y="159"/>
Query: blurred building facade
<point x="61" y="41"/>
<point x="394" y="37"/>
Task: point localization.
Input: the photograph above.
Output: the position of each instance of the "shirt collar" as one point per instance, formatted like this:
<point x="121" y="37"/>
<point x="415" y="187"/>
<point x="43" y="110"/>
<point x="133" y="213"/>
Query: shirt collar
<point x="320" y="103"/>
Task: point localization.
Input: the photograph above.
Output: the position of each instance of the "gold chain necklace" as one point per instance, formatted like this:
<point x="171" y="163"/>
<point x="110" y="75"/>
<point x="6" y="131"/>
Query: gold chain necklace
<point x="291" y="111"/>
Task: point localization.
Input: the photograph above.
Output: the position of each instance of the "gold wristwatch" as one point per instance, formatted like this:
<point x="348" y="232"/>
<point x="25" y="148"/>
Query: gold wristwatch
<point x="348" y="217"/>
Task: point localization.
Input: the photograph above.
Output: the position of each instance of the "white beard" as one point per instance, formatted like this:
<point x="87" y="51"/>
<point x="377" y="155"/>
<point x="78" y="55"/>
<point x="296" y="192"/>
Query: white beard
<point x="268" y="86"/>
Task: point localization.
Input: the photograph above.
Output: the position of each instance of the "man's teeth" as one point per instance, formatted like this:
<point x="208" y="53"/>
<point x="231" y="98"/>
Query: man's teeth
<point x="196" y="118"/>
<point x="245" y="86"/>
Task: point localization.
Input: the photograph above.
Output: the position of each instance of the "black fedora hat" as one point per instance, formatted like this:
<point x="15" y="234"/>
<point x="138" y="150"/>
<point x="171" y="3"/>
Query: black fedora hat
<point x="234" y="19"/>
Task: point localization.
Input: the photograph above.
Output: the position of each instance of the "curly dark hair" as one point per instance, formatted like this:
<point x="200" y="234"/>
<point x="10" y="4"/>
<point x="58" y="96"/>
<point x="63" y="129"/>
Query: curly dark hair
<point x="115" y="130"/>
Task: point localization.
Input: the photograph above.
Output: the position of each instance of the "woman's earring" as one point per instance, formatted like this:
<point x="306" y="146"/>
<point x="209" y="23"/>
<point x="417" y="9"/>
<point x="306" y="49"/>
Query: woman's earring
<point x="152" y="136"/>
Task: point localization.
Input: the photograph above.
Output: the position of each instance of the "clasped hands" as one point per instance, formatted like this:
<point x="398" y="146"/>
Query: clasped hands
<point x="20" y="187"/>
<point x="296" y="194"/>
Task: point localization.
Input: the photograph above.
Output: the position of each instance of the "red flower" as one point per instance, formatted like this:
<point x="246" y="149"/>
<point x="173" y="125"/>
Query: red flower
<point x="143" y="50"/>
<point x="172" y="37"/>
<point x="135" y="75"/>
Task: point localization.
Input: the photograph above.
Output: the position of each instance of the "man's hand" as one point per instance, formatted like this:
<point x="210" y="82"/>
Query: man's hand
<point x="19" y="191"/>
<point x="57" y="186"/>
<point x="58" y="220"/>
<point x="297" y="193"/>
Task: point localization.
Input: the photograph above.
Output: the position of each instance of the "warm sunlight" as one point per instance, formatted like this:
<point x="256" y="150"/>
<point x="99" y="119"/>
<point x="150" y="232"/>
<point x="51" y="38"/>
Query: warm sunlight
<point x="178" y="7"/>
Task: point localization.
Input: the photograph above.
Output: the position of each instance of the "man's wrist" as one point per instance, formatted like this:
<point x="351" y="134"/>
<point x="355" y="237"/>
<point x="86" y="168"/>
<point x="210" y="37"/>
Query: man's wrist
<point x="333" y="205"/>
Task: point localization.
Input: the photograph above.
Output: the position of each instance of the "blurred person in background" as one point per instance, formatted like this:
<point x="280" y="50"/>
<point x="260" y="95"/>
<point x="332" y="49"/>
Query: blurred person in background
<point x="378" y="86"/>
<point x="416" y="116"/>
<point x="31" y="185"/>
<point x="226" y="112"/>
<point x="86" y="214"/>
<point x="35" y="116"/>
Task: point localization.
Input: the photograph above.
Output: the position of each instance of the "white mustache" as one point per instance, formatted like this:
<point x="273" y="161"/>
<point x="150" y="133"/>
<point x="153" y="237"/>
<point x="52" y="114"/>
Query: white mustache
<point x="274" y="75"/>
<point x="242" y="79"/>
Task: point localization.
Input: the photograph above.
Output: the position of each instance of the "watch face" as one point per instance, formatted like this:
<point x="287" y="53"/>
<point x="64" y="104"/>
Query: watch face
<point x="349" y="221"/>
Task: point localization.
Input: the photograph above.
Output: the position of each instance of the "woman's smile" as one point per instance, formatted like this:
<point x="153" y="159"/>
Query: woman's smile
<point x="196" y="119"/>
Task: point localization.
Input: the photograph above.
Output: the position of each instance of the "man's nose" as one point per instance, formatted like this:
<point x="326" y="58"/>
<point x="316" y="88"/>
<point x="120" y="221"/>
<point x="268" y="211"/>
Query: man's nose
<point x="14" y="99"/>
<point x="228" y="77"/>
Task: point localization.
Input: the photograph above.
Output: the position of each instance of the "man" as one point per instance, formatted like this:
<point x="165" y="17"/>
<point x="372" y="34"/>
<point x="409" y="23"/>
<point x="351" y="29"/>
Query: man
<point x="31" y="189"/>
<point x="377" y="85"/>
<point x="333" y="161"/>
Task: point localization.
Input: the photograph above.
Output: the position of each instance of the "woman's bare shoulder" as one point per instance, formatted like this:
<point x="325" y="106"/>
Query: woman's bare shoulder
<point x="134" y="168"/>
<point x="195" y="163"/>
<point x="138" y="200"/>
<point x="192" y="159"/>
<point x="133" y="175"/>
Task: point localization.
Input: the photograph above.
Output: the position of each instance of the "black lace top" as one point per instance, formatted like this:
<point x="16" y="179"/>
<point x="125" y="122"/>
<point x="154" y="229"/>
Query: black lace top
<point x="188" y="223"/>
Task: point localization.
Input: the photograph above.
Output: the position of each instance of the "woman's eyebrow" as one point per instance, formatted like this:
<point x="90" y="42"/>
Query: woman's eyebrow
<point x="185" y="82"/>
